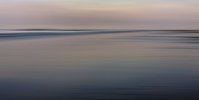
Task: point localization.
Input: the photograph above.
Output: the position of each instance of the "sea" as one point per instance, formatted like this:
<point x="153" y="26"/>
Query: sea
<point x="102" y="64"/>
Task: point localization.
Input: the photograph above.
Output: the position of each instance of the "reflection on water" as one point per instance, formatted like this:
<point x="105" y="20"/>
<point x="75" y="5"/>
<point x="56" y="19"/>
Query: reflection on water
<point x="94" y="65"/>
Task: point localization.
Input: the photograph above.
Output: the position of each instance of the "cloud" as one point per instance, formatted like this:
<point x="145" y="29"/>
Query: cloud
<point x="99" y="13"/>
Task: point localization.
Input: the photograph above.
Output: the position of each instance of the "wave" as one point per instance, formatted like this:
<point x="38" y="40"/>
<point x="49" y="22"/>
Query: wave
<point x="153" y="34"/>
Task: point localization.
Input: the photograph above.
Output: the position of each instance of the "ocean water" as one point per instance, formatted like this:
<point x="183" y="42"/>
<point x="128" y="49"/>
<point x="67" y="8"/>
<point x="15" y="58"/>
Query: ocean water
<point x="99" y="65"/>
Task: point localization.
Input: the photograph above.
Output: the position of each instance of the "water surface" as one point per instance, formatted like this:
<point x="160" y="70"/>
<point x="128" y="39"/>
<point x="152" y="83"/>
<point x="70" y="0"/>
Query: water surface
<point x="99" y="65"/>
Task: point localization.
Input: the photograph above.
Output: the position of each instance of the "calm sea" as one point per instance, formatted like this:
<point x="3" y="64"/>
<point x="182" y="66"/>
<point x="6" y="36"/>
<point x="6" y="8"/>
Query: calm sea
<point x="99" y="65"/>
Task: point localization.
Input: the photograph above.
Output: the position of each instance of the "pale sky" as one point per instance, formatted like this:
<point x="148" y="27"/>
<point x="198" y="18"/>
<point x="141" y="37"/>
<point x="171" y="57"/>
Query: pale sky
<point x="132" y="14"/>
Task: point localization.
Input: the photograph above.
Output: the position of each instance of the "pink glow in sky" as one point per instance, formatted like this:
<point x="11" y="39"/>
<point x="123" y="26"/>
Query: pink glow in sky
<point x="134" y="14"/>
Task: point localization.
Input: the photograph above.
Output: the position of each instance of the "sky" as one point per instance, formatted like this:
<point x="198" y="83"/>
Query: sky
<point x="99" y="14"/>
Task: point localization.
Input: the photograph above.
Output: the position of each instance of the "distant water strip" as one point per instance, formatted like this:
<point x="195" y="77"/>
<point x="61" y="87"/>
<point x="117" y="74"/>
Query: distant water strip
<point x="47" y="33"/>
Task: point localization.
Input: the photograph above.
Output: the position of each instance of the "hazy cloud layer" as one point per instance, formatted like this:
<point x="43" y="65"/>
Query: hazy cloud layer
<point x="99" y="14"/>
